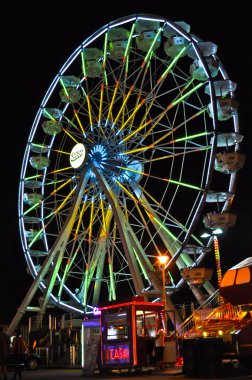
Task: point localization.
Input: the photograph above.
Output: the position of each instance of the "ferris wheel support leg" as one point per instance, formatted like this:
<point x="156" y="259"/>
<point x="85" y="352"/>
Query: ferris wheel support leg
<point x="198" y="294"/>
<point x="55" y="253"/>
<point x="118" y="215"/>
<point x="30" y="294"/>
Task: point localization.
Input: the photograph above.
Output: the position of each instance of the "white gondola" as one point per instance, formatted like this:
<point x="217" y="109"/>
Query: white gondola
<point x="206" y="48"/>
<point x="228" y="163"/>
<point x="222" y="87"/>
<point x="226" y="108"/>
<point x="34" y="234"/>
<point x="219" y="196"/>
<point x="228" y="139"/>
<point x="51" y="127"/>
<point x="70" y="95"/>
<point x="52" y="113"/>
<point x="198" y="72"/>
<point x="39" y="162"/>
<point x="39" y="148"/>
<point x="33" y="184"/>
<point x="118" y="38"/>
<point x="32" y="198"/>
<point x="32" y="219"/>
<point x="147" y="33"/>
<point x="70" y="81"/>
<point x="222" y="220"/>
<point x="92" y="62"/>
<point x="196" y="276"/>
<point x="37" y="253"/>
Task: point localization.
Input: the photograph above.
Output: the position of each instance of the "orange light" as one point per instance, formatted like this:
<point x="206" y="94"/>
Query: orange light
<point x="163" y="259"/>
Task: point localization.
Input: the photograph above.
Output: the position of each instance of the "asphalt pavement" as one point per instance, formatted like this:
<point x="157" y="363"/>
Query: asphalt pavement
<point x="172" y="373"/>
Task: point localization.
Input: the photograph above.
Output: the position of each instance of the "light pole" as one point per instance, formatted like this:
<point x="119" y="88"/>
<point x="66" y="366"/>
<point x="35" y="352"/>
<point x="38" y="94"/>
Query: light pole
<point x="163" y="260"/>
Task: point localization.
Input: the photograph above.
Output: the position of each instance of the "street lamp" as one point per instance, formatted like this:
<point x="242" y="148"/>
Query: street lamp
<point x="163" y="260"/>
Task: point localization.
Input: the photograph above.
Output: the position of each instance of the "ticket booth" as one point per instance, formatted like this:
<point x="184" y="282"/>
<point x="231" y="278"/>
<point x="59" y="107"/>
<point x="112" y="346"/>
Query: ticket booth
<point x="128" y="329"/>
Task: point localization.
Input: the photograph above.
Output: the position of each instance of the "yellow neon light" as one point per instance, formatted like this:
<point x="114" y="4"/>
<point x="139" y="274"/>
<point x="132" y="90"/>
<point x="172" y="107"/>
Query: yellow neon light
<point x="112" y="101"/>
<point x="80" y="219"/>
<point x="71" y="137"/>
<point x="104" y="226"/>
<point x="78" y="119"/>
<point x="89" y="112"/>
<point x="133" y="113"/>
<point x="101" y="102"/>
<point x="91" y="222"/>
<point x="123" y="105"/>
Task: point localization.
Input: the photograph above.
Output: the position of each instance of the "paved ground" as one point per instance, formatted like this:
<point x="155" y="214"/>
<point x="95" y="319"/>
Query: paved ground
<point x="173" y="373"/>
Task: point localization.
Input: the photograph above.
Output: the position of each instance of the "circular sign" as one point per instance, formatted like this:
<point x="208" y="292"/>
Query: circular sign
<point x="77" y="155"/>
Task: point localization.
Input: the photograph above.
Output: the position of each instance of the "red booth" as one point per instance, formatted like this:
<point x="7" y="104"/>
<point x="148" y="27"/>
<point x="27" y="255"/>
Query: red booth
<point x="128" y="331"/>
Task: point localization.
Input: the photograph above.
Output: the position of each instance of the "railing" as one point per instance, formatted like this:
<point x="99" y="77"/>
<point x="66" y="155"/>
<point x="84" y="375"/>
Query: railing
<point x="201" y="313"/>
<point x="229" y="311"/>
<point x="208" y="311"/>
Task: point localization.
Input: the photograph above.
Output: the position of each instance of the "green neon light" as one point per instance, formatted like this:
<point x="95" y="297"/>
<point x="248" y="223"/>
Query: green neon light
<point x="112" y="294"/>
<point x="55" y="272"/>
<point x="85" y="289"/>
<point x="64" y="87"/>
<point x="83" y="63"/>
<point x="105" y="47"/>
<point x="141" y="265"/>
<point x="188" y="93"/>
<point x="63" y="281"/>
<point x="127" y="65"/>
<point x="186" y="259"/>
<point x="129" y="40"/>
<point x="105" y="78"/>
<point x="49" y="115"/>
<point x="162" y="179"/>
<point x="190" y="137"/>
<point x="32" y="208"/>
<point x="148" y="55"/>
<point x="165" y="228"/>
<point x="35" y="238"/>
<point x="184" y="184"/>
<point x="174" y="61"/>
<point x="105" y="58"/>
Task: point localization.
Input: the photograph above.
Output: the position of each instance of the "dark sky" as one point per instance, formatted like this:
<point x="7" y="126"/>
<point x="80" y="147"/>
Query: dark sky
<point x="37" y="39"/>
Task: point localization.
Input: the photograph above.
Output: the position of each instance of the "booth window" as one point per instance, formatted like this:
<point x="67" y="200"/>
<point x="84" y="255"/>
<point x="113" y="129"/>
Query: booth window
<point x="116" y="326"/>
<point x="146" y="323"/>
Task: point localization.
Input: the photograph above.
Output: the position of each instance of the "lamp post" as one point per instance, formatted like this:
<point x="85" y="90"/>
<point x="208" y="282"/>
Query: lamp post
<point x="163" y="260"/>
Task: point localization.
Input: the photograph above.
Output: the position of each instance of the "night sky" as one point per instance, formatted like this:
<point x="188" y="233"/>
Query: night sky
<point x="38" y="39"/>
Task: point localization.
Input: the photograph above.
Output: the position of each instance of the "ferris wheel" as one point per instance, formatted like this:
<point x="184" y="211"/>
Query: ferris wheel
<point x="119" y="165"/>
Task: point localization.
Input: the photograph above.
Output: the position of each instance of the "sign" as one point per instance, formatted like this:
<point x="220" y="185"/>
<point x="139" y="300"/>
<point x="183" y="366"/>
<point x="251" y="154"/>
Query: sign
<point x="77" y="155"/>
<point x="117" y="353"/>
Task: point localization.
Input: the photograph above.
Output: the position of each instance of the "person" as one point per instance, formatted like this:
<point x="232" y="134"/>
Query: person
<point x="4" y="352"/>
<point x="19" y="348"/>
<point x="159" y="347"/>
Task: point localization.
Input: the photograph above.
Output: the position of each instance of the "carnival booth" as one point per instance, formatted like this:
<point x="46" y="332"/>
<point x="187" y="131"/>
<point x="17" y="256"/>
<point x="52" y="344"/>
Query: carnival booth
<point x="128" y="332"/>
